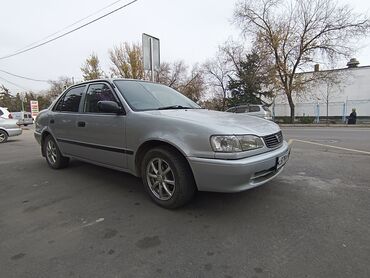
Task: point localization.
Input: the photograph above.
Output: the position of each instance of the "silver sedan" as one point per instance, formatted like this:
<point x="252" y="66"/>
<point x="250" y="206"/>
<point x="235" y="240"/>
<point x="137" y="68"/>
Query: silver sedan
<point x="156" y="133"/>
<point x="8" y="128"/>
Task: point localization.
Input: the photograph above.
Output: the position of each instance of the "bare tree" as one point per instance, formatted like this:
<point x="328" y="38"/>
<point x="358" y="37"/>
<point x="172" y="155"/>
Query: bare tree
<point x="194" y="85"/>
<point x="330" y="85"/>
<point x="58" y="86"/>
<point x="172" y="74"/>
<point x="233" y="53"/>
<point x="127" y="61"/>
<point x="291" y="34"/>
<point x="91" y="68"/>
<point x="217" y="74"/>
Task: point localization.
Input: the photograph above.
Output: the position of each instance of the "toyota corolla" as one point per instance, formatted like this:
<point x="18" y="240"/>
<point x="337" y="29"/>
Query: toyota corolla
<point x="155" y="133"/>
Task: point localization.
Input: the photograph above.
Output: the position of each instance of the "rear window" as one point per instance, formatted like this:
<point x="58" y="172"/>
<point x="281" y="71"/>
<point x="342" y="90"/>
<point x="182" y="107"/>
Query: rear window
<point x="254" y="108"/>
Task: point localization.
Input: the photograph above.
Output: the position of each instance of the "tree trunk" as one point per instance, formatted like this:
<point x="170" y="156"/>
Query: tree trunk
<point x="292" y="108"/>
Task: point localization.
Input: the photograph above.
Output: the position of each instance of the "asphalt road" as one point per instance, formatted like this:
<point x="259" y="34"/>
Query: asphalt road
<point x="87" y="221"/>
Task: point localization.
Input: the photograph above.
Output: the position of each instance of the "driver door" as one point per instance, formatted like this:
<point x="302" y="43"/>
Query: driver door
<point x="102" y="135"/>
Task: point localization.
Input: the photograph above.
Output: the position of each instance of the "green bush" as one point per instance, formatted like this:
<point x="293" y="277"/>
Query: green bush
<point x="306" y="120"/>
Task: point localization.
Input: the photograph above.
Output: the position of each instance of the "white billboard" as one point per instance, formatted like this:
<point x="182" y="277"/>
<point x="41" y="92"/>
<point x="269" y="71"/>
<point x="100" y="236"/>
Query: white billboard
<point x="34" y="108"/>
<point x="151" y="52"/>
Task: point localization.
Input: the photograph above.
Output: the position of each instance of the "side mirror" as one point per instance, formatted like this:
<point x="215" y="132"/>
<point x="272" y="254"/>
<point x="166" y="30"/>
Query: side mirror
<point x="110" y="107"/>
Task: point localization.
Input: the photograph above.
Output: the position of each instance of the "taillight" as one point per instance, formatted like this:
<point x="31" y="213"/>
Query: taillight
<point x="10" y="116"/>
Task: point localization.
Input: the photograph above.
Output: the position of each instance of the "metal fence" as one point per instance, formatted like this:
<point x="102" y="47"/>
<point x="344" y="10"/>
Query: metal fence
<point x="318" y="110"/>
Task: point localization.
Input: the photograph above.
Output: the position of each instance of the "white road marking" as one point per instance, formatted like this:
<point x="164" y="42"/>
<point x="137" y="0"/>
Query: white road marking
<point x="328" y="146"/>
<point x="93" y="223"/>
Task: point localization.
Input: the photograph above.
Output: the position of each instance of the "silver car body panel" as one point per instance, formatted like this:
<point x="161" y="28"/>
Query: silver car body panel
<point x="237" y="175"/>
<point x="10" y="127"/>
<point x="113" y="141"/>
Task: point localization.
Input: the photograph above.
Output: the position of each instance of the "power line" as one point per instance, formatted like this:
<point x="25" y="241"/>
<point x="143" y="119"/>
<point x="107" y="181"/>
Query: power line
<point x="69" y="32"/>
<point x="65" y="28"/>
<point x="16" y="85"/>
<point x="24" y="77"/>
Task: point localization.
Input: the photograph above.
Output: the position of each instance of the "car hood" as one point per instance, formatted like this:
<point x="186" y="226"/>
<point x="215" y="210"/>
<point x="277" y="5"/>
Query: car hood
<point x="222" y="122"/>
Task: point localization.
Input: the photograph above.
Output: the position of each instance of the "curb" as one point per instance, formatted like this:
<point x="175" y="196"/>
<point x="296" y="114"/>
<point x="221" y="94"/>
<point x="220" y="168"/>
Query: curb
<point x="325" y="125"/>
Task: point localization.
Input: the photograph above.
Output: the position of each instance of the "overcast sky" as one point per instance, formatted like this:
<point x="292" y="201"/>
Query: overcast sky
<point x="189" y="30"/>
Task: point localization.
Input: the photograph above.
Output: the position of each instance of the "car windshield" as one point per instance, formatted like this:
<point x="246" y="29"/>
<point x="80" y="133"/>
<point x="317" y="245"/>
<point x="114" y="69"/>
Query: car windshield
<point x="142" y="96"/>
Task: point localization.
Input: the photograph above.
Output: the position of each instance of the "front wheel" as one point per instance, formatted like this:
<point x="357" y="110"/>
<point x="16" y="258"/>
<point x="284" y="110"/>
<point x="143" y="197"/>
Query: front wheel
<point x="3" y="136"/>
<point x="167" y="178"/>
<point x="52" y="154"/>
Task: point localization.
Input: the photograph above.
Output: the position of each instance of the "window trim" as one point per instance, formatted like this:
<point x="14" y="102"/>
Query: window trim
<point x="82" y="104"/>
<point x="61" y="98"/>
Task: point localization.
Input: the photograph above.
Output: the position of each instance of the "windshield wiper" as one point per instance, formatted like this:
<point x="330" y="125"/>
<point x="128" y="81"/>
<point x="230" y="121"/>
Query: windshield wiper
<point x="174" y="107"/>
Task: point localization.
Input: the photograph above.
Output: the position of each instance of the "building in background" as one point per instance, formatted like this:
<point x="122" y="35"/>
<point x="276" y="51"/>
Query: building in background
<point x="346" y="88"/>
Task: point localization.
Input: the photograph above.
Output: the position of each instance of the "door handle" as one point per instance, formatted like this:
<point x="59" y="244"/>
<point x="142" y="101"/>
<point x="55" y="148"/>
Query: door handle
<point x="81" y="124"/>
<point x="52" y="121"/>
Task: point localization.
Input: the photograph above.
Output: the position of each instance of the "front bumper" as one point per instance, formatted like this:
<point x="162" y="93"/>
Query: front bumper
<point x="220" y="175"/>
<point x="14" y="131"/>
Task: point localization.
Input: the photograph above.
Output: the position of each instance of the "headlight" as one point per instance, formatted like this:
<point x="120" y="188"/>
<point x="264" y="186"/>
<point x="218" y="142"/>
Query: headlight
<point x="250" y="142"/>
<point x="232" y="143"/>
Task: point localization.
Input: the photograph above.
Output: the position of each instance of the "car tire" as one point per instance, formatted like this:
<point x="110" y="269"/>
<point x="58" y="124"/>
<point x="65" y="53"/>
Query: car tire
<point x="3" y="136"/>
<point x="52" y="154"/>
<point x="167" y="178"/>
<point x="25" y="124"/>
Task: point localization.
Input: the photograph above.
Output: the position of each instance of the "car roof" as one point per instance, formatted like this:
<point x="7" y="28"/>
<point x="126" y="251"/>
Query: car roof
<point x="246" y="105"/>
<point x="110" y="80"/>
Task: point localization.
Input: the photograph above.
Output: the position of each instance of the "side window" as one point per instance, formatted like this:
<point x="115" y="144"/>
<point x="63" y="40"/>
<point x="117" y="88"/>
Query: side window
<point x="241" y="109"/>
<point x="231" y="110"/>
<point x="71" y="100"/>
<point x="1" y="113"/>
<point x="254" y="108"/>
<point x="96" y="93"/>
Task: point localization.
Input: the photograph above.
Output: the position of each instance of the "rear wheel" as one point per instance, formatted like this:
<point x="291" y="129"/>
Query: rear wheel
<point x="167" y="178"/>
<point x="3" y="136"/>
<point x="52" y="154"/>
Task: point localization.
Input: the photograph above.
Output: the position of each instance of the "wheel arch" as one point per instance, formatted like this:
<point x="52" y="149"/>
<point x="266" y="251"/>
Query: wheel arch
<point x="148" y="145"/>
<point x="2" y="129"/>
<point x="44" y="134"/>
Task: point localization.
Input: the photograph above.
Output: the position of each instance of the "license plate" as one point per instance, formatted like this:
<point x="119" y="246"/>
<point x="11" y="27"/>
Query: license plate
<point x="281" y="160"/>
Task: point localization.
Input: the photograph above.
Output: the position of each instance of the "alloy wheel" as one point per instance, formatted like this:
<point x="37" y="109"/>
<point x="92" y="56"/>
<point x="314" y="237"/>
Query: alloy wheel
<point x="2" y="137"/>
<point x="160" y="178"/>
<point x="51" y="152"/>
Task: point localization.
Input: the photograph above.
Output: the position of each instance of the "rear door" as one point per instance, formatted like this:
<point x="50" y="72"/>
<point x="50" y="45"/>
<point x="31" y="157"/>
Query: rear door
<point x="101" y="135"/>
<point x="63" y="119"/>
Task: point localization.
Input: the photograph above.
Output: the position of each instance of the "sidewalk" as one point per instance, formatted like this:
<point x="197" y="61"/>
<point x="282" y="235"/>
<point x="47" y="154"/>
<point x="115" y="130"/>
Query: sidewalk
<point x="326" y="125"/>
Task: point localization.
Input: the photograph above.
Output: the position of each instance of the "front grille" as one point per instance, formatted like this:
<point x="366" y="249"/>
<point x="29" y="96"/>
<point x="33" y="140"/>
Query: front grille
<point x="273" y="140"/>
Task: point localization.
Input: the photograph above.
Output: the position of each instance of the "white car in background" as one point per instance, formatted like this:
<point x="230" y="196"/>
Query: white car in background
<point x="261" y="111"/>
<point x="4" y="113"/>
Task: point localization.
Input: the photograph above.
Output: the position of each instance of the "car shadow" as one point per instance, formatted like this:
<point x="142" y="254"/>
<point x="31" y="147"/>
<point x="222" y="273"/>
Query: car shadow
<point x="11" y="140"/>
<point x="123" y="183"/>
